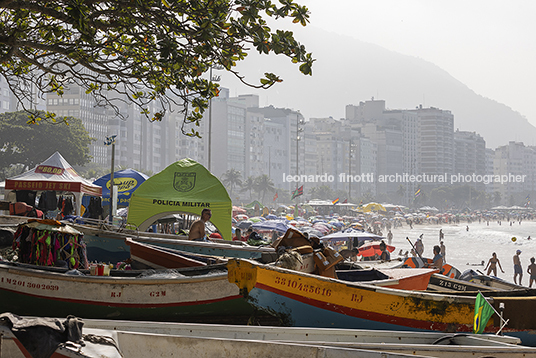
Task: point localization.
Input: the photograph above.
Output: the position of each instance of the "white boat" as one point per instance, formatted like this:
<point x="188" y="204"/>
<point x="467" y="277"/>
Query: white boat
<point x="232" y="341"/>
<point x="156" y="339"/>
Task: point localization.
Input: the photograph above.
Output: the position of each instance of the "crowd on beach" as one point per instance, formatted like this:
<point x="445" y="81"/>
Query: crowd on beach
<point x="384" y="223"/>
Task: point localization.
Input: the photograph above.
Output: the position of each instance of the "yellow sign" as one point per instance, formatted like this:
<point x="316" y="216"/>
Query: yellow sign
<point x="123" y="184"/>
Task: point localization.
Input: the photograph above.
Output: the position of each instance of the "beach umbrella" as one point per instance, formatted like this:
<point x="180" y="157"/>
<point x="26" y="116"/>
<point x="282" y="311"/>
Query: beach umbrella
<point x="271" y="217"/>
<point x="373" y="248"/>
<point x="312" y="231"/>
<point x="362" y="235"/>
<point x="242" y="217"/>
<point x="238" y="210"/>
<point x="337" y="224"/>
<point x="244" y="225"/>
<point x="273" y="225"/>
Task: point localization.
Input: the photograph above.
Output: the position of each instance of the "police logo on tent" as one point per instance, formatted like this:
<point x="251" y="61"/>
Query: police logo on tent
<point x="184" y="182"/>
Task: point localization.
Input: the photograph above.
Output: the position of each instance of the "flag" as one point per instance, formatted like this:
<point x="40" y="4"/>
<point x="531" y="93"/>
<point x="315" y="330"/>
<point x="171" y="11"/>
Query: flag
<point x="417" y="193"/>
<point x="110" y="140"/>
<point x="275" y="196"/>
<point x="527" y="201"/>
<point x="483" y="312"/>
<point x="345" y="201"/>
<point x="361" y="203"/>
<point x="336" y="201"/>
<point x="297" y="192"/>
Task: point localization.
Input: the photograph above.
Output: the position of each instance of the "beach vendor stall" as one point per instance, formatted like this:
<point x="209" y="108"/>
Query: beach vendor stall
<point x="55" y="182"/>
<point x="49" y="243"/>
<point x="183" y="187"/>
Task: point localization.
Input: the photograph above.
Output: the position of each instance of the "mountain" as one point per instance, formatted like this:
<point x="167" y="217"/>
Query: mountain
<point x="348" y="71"/>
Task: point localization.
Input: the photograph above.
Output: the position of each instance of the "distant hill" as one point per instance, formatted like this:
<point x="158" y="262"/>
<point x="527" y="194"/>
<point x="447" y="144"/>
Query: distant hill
<point x="348" y="71"/>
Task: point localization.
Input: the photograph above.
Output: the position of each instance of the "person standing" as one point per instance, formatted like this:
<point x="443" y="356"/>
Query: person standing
<point x="238" y="235"/>
<point x="419" y="246"/>
<point x="492" y="263"/>
<point x="517" y="267"/>
<point x="531" y="270"/>
<point x="441" y="235"/>
<point x="389" y="237"/>
<point x="443" y="251"/>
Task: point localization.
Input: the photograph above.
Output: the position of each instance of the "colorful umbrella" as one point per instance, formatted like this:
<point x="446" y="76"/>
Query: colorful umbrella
<point x="373" y="248"/>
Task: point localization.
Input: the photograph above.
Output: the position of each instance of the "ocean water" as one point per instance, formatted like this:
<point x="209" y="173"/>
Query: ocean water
<point x="466" y="249"/>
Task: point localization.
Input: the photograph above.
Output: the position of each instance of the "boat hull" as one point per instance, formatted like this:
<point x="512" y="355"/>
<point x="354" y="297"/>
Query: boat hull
<point x="110" y="246"/>
<point x="303" y="300"/>
<point x="35" y="292"/>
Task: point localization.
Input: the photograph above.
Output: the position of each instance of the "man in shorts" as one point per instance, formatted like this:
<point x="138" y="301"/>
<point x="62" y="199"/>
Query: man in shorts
<point x="517" y="267"/>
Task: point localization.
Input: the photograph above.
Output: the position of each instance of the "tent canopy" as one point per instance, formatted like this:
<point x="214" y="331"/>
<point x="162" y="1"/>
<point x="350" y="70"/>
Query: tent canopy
<point x="54" y="174"/>
<point x="125" y="182"/>
<point x="183" y="187"/>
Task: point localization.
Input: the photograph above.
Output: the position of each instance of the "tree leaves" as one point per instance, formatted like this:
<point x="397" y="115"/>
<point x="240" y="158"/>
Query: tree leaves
<point x="30" y="145"/>
<point x="144" y="51"/>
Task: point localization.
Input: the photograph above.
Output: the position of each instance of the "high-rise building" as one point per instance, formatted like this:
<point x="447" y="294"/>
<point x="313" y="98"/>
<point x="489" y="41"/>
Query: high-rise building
<point x="469" y="157"/>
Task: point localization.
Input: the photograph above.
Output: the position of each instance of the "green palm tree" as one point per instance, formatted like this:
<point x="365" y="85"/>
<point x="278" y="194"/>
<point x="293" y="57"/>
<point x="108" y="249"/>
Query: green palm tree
<point x="232" y="178"/>
<point x="263" y="184"/>
<point x="248" y="185"/>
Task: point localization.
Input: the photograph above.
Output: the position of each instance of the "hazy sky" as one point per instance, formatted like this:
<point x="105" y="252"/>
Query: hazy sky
<point x="489" y="45"/>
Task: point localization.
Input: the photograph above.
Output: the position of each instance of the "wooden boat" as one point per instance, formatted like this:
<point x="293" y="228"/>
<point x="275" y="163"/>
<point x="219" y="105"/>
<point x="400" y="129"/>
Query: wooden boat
<point x="140" y="345"/>
<point x="151" y="256"/>
<point x="192" y="294"/>
<point x="161" y="339"/>
<point x="491" y="282"/>
<point x="400" y="278"/>
<point x="105" y="244"/>
<point x="304" y="300"/>
<point x="446" y="269"/>
<point x="442" y="283"/>
<point x="362" y="343"/>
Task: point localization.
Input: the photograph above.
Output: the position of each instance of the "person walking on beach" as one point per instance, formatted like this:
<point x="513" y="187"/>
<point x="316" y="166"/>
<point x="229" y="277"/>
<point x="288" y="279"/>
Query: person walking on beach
<point x="517" y="267"/>
<point x="389" y="237"/>
<point x="531" y="270"/>
<point x="441" y="235"/>
<point x="492" y="263"/>
<point x="443" y="251"/>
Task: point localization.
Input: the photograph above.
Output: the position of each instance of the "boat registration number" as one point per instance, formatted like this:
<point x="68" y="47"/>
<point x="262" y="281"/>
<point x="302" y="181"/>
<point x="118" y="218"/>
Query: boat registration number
<point x="282" y="281"/>
<point x="22" y="283"/>
<point x="454" y="286"/>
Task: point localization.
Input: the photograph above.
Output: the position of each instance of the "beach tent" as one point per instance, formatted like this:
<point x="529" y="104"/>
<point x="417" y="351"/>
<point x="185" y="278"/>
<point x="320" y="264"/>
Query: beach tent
<point x="183" y="187"/>
<point x="54" y="174"/>
<point x="253" y="204"/>
<point x="373" y="207"/>
<point x="125" y="182"/>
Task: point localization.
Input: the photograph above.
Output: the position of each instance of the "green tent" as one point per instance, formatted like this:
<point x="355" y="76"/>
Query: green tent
<point x="183" y="187"/>
<point x="252" y="205"/>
